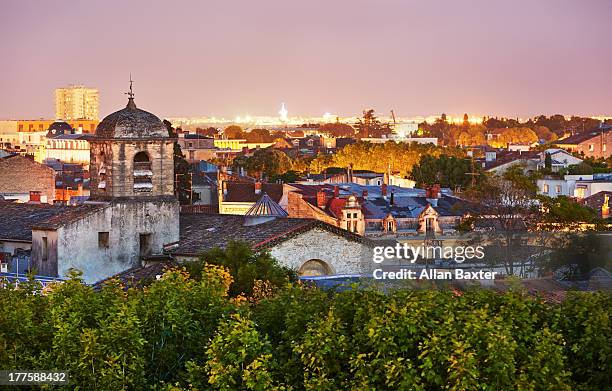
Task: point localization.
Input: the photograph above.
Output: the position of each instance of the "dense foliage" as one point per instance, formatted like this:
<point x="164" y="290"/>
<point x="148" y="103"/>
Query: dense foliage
<point x="447" y="171"/>
<point x="264" y="162"/>
<point x="182" y="180"/>
<point x="246" y="267"/>
<point x="399" y="157"/>
<point x="184" y="333"/>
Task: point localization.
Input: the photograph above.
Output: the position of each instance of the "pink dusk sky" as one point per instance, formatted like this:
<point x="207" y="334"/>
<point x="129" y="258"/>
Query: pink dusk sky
<point x="228" y="58"/>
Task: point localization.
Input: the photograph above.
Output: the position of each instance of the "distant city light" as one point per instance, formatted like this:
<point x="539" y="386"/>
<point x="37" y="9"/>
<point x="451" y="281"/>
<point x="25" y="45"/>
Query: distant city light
<point x="283" y="113"/>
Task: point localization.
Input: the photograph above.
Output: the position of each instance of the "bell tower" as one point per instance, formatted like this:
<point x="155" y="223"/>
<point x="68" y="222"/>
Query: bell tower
<point x="132" y="176"/>
<point x="131" y="156"/>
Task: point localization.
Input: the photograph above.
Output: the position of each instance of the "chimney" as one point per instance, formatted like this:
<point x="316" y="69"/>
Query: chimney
<point x="336" y="192"/>
<point x="35" y="196"/>
<point x="392" y="199"/>
<point x="435" y="191"/>
<point x="258" y="187"/>
<point x="321" y="199"/>
<point x="349" y="173"/>
<point x="383" y="190"/>
<point x="432" y="194"/>
<point x="365" y="193"/>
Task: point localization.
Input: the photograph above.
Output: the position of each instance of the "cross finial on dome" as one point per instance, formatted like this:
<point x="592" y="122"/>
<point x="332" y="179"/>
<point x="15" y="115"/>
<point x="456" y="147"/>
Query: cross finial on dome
<point x="130" y="95"/>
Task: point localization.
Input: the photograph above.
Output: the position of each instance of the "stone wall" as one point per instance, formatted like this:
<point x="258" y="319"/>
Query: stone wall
<point x="118" y="159"/>
<point x="343" y="256"/>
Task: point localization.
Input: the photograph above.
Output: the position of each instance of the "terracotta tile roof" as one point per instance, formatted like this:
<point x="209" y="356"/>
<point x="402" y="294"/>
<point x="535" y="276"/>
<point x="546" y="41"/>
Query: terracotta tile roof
<point x="510" y="156"/>
<point x="547" y="288"/>
<point x="596" y="200"/>
<point x="199" y="232"/>
<point x="245" y="192"/>
<point x="139" y="276"/>
<point x="68" y="215"/>
<point x="582" y="137"/>
<point x="17" y="220"/>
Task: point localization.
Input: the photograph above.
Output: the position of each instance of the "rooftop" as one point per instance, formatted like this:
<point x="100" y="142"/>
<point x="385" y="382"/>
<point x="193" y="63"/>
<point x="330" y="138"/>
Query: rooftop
<point x="584" y="136"/>
<point x="18" y="219"/>
<point x="131" y="123"/>
<point x="201" y="232"/>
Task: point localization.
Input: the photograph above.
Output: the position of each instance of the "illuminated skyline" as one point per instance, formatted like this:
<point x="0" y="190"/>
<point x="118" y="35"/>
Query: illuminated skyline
<point x="204" y="58"/>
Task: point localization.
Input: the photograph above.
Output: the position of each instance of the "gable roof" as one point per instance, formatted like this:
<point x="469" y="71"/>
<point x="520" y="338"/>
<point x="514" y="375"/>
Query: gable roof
<point x="200" y="232"/>
<point x="582" y="137"/>
<point x="18" y="220"/>
<point x="506" y="157"/>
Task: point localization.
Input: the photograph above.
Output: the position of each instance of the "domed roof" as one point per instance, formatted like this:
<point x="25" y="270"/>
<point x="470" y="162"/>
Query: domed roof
<point x="58" y="128"/>
<point x="131" y="123"/>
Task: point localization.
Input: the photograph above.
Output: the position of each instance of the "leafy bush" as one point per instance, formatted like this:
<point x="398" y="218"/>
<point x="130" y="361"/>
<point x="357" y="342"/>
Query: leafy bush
<point x="185" y="333"/>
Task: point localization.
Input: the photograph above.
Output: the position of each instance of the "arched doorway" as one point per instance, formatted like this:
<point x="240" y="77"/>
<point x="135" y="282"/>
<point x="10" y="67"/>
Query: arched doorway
<point x="315" y="267"/>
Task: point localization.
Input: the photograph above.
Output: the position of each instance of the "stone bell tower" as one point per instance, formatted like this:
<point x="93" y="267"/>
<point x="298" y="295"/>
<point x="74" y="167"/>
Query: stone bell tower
<point x="132" y="178"/>
<point x="131" y="156"/>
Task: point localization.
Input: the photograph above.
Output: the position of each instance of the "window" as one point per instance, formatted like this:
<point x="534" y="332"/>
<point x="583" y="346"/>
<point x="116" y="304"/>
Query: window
<point x="429" y="224"/>
<point x="604" y="147"/>
<point x="558" y="189"/>
<point x="103" y="240"/>
<point x="591" y="147"/>
<point x="545" y="189"/>
<point x="142" y="173"/>
<point x="45" y="249"/>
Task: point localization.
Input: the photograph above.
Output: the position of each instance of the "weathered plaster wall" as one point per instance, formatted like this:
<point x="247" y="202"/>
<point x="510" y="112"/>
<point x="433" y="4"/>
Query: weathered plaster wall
<point x="125" y="221"/>
<point x="44" y="267"/>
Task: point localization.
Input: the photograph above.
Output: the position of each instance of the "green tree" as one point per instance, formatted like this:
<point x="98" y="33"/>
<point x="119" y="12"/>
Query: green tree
<point x="245" y="265"/>
<point x="233" y="132"/>
<point x="269" y="162"/>
<point x="182" y="171"/>
<point x="259" y="136"/>
<point x="370" y="126"/>
<point x="447" y="171"/>
<point x="548" y="161"/>
<point x="337" y="129"/>
<point x="238" y="358"/>
<point x="580" y="169"/>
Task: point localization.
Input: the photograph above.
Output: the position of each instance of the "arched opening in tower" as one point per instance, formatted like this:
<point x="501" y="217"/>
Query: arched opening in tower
<point x="143" y="174"/>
